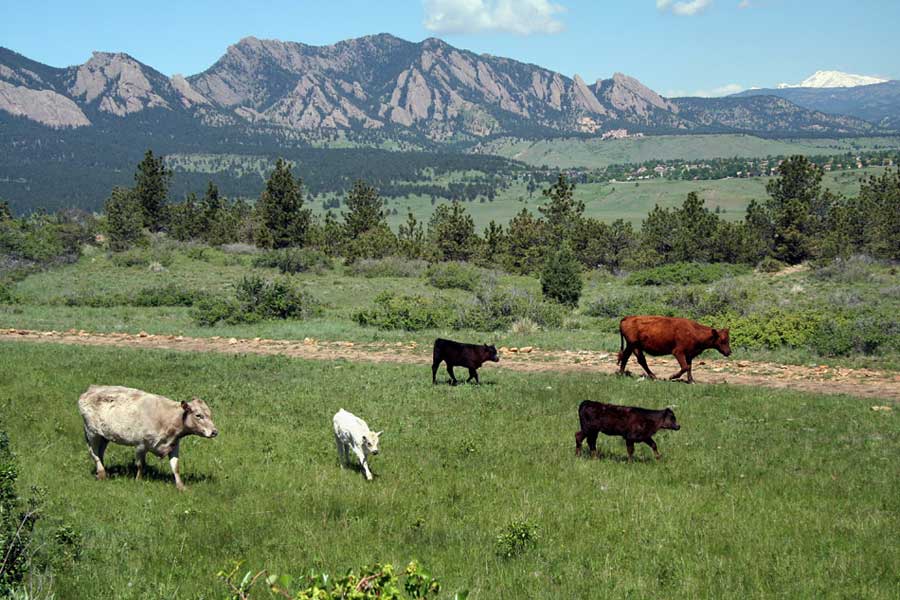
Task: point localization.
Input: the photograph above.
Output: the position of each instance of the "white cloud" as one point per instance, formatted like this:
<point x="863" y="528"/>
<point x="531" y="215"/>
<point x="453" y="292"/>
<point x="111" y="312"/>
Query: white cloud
<point x="744" y="4"/>
<point x="723" y="90"/>
<point x="684" y="8"/>
<point x="523" y="17"/>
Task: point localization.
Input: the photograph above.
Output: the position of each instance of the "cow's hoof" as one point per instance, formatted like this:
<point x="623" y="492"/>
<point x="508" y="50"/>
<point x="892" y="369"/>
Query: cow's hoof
<point x="101" y="475"/>
<point x="180" y="487"/>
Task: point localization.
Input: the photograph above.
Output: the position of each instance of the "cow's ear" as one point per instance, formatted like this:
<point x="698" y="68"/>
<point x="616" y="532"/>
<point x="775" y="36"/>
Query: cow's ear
<point x="715" y="335"/>
<point x="185" y="406"/>
<point x="379" y="433"/>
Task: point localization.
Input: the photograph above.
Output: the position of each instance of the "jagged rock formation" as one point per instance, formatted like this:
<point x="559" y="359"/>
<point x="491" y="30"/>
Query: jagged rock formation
<point x="380" y="82"/>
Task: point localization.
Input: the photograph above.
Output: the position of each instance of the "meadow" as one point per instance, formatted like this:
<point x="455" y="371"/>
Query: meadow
<point x="628" y="200"/>
<point x="97" y="294"/>
<point x="595" y="153"/>
<point x="761" y="493"/>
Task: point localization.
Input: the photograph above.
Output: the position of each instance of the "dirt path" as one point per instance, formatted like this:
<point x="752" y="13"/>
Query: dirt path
<point x="865" y="383"/>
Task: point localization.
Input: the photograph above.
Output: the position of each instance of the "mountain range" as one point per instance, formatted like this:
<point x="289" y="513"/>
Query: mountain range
<point x="833" y="79"/>
<point x="385" y="87"/>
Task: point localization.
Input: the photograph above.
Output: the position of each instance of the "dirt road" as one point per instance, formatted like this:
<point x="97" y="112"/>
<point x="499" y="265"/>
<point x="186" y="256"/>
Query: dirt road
<point x="864" y="383"/>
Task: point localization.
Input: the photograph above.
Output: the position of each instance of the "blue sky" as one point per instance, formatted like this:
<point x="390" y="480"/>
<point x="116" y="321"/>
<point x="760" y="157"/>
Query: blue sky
<point x="674" y="46"/>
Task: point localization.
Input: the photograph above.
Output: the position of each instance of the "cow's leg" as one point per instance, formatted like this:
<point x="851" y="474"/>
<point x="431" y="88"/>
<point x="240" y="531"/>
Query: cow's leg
<point x="642" y="360"/>
<point x="434" y="368"/>
<point x="140" y="456"/>
<point x="363" y="463"/>
<point x="592" y="443"/>
<point x="453" y="380"/>
<point x="173" y="464"/>
<point x="623" y="358"/>
<point x="652" y="444"/>
<point x="579" y="437"/>
<point x="97" y="447"/>
<point x="684" y="364"/>
<point x="473" y="374"/>
<point x="629" y="445"/>
<point x="340" y="450"/>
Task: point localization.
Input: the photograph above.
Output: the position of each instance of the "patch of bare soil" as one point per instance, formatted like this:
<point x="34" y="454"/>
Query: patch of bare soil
<point x="864" y="383"/>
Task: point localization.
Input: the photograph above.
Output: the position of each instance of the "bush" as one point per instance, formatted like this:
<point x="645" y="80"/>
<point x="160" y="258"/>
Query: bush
<point x="411" y="313"/>
<point x="142" y="257"/>
<point x="369" y="583"/>
<point x="561" y="277"/>
<point x="257" y="299"/>
<point x="392" y="266"/>
<point x="168" y="295"/>
<point x="774" y="328"/>
<point x="239" y="249"/>
<point x="857" y="332"/>
<point x="495" y="308"/>
<point x="295" y="260"/>
<point x="16" y="523"/>
<point x="616" y="305"/>
<point x="770" y="265"/>
<point x="6" y="294"/>
<point x="454" y="275"/>
<point x="856" y="269"/>
<point x="516" y="538"/>
<point x="685" y="273"/>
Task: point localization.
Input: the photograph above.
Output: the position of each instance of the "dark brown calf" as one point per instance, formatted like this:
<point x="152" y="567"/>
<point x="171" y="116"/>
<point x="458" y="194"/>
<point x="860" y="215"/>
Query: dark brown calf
<point x="455" y="354"/>
<point x="658" y="336"/>
<point x="630" y="422"/>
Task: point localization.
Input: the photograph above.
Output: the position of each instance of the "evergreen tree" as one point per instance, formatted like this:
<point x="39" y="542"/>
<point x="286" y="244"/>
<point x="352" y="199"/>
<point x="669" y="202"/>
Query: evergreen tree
<point x="695" y="231"/>
<point x="366" y="231"/>
<point x="797" y="209"/>
<point x="5" y="211"/>
<point x="494" y="243"/>
<point x="525" y="244"/>
<point x="282" y="219"/>
<point x="210" y="209"/>
<point x="452" y="232"/>
<point x="185" y="219"/>
<point x="123" y="219"/>
<point x="561" y="277"/>
<point x="151" y="190"/>
<point x="332" y="235"/>
<point x="411" y="236"/>
<point x="658" y="234"/>
<point x="562" y="210"/>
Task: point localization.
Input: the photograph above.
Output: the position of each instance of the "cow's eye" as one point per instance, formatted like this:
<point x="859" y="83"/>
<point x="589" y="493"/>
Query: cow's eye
<point x="199" y="417"/>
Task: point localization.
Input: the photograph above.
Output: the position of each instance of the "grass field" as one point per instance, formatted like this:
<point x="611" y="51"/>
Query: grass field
<point x="595" y="153"/>
<point x="630" y="201"/>
<point x="43" y="297"/>
<point x="761" y="493"/>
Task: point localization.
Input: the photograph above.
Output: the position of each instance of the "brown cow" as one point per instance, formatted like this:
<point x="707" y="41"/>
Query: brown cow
<point x="632" y="423"/>
<point x="658" y="336"/>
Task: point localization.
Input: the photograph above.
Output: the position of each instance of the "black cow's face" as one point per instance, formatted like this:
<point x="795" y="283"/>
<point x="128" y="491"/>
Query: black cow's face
<point x="491" y="352"/>
<point x="669" y="421"/>
<point x="722" y="342"/>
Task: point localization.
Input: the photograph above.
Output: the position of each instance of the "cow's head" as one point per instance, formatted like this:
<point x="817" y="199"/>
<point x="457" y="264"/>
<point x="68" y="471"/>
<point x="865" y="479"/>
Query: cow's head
<point x="721" y="342"/>
<point x="370" y="441"/>
<point x="491" y="353"/>
<point x="668" y="420"/>
<point x="197" y="418"/>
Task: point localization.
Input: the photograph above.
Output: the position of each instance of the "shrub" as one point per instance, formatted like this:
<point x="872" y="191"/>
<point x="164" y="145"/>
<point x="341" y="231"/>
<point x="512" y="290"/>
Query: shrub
<point x="494" y="308"/>
<point x="257" y="299"/>
<point x="369" y="583"/>
<point x="6" y="294"/>
<point x="408" y="312"/>
<point x="524" y="326"/>
<point x="295" y="260"/>
<point x="16" y="523"/>
<point x="168" y="295"/>
<point x="391" y="266"/>
<point x="770" y="265"/>
<point x="616" y="305"/>
<point x="774" y="328"/>
<point x="856" y="269"/>
<point x="239" y="249"/>
<point x="458" y="275"/>
<point x="857" y="332"/>
<point x="516" y="538"/>
<point x="561" y="277"/>
<point x="685" y="273"/>
<point x="142" y="257"/>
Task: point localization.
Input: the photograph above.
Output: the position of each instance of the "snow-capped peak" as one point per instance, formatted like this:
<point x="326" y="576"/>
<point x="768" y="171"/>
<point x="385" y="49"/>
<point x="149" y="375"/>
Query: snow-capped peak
<point x="833" y="79"/>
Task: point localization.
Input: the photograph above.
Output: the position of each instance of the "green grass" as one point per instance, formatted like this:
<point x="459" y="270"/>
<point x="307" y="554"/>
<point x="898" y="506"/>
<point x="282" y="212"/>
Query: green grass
<point x="622" y="200"/>
<point x="42" y="306"/>
<point x="595" y="153"/>
<point x="761" y="493"/>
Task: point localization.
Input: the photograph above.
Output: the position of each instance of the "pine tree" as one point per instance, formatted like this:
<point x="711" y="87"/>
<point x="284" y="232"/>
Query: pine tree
<point x="365" y="210"/>
<point x="695" y="231"/>
<point x="151" y="190"/>
<point x="411" y="237"/>
<point x="494" y="243"/>
<point x="452" y="231"/>
<point x="525" y="243"/>
<point x="5" y="211"/>
<point x="123" y="219"/>
<point x="797" y="208"/>
<point x="283" y="220"/>
<point x="561" y="277"/>
<point x="562" y="210"/>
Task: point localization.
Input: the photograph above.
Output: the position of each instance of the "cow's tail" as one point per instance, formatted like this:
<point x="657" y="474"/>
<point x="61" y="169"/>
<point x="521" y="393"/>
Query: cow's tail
<point x="581" y="407"/>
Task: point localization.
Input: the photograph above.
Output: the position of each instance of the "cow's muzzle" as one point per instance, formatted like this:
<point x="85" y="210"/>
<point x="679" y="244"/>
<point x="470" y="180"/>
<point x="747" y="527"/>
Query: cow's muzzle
<point x="213" y="433"/>
<point x="676" y="427"/>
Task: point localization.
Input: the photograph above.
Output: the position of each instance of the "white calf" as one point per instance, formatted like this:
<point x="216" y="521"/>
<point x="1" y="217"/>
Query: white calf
<point x="352" y="433"/>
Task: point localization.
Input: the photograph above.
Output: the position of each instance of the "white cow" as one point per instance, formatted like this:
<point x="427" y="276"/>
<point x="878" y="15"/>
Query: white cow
<point x="353" y="434"/>
<point x="135" y="418"/>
